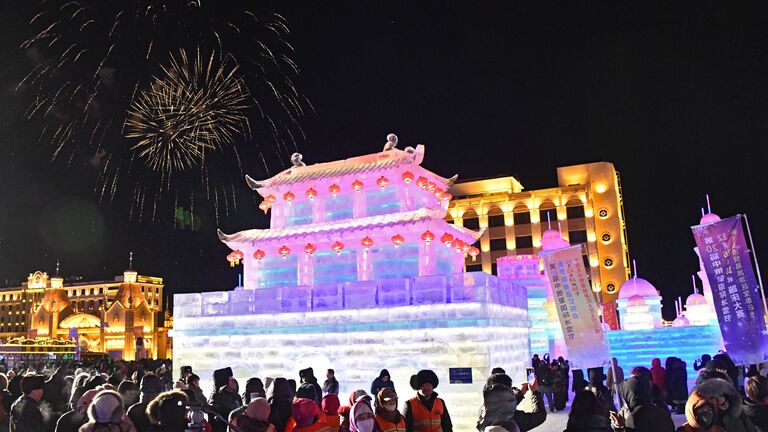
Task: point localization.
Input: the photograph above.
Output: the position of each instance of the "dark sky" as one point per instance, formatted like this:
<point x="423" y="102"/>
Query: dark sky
<point x="674" y="94"/>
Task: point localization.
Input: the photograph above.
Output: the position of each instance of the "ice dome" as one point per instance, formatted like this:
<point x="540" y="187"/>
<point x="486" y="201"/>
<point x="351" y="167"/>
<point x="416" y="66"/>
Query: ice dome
<point x="637" y="286"/>
<point x="695" y="299"/>
<point x="636" y="301"/>
<point x="551" y="240"/>
<point x="709" y="218"/>
<point x="680" y="321"/>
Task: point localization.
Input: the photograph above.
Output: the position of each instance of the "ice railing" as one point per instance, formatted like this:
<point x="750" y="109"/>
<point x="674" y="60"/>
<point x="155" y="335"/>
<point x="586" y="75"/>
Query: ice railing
<point x="475" y="287"/>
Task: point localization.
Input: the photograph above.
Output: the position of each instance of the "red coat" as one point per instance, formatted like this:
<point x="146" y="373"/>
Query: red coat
<point x="658" y="374"/>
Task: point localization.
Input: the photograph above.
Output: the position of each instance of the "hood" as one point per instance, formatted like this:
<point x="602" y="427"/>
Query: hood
<point x="280" y="391"/>
<point x="694" y="402"/>
<point x="656" y="363"/>
<point x="499" y="399"/>
<point x="715" y="387"/>
<point x="637" y="392"/>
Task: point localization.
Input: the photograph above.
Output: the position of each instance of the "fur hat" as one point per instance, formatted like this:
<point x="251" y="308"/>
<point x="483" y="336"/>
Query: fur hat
<point x="106" y="407"/>
<point x="424" y="376"/>
<point x="32" y="382"/>
<point x="306" y="373"/>
<point x="169" y="409"/>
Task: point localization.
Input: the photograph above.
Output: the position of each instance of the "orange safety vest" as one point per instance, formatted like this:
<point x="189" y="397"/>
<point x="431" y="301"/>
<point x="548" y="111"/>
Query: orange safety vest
<point x="316" y="427"/>
<point x="333" y="420"/>
<point x="387" y="426"/>
<point x="291" y="423"/>
<point x="427" y="421"/>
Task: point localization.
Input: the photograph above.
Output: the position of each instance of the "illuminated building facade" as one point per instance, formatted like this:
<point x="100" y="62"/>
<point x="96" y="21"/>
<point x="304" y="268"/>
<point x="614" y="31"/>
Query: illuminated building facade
<point x="110" y="316"/>
<point x="586" y="206"/>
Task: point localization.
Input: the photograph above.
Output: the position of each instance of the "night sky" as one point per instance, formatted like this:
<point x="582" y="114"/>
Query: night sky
<point x="675" y="95"/>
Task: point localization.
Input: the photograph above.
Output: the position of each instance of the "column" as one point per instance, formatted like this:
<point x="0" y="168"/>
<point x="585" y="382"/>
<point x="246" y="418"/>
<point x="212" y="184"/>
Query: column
<point x="306" y="268"/>
<point x="428" y="260"/>
<point x="364" y="264"/>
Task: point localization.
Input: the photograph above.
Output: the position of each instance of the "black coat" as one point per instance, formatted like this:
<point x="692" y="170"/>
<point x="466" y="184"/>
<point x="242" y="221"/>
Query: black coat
<point x="71" y="421"/>
<point x="378" y="384"/>
<point x="591" y="423"/>
<point x="499" y="405"/>
<point x="223" y="402"/>
<point x="758" y="413"/>
<point x="579" y="383"/>
<point x="677" y="381"/>
<point x="640" y="413"/>
<point x="531" y="411"/>
<point x="138" y="415"/>
<point x="279" y="403"/>
<point x="26" y="415"/>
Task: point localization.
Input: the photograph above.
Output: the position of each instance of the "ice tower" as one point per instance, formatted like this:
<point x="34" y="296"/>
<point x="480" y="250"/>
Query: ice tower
<point x="359" y="272"/>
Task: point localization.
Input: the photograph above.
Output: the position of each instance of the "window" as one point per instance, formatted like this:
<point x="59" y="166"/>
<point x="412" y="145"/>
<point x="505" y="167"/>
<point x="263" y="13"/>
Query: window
<point x="522" y="218"/>
<point x="474" y="268"/>
<point x="498" y="244"/>
<point x="495" y="217"/>
<point x="575" y="212"/>
<point x="548" y="214"/>
<point x="101" y="290"/>
<point x="523" y="242"/>
<point x="493" y="269"/>
<point x="577" y="237"/>
<point x="471" y="223"/>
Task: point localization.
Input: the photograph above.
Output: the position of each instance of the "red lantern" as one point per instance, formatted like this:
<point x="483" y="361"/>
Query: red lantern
<point x="382" y="182"/>
<point x="465" y="247"/>
<point x="259" y="255"/>
<point x="338" y="247"/>
<point x="427" y="236"/>
<point x="446" y="239"/>
<point x="357" y="185"/>
<point x="456" y="244"/>
<point x="397" y="240"/>
<point x="407" y="177"/>
<point x="284" y="251"/>
<point x="445" y="196"/>
<point x="474" y="252"/>
<point x="289" y="196"/>
<point x="232" y="259"/>
<point x="310" y="249"/>
<point x="422" y="182"/>
<point x="311" y="193"/>
<point x="265" y="206"/>
<point x="431" y="186"/>
<point x="366" y="242"/>
<point x="334" y="189"/>
<point x="270" y="199"/>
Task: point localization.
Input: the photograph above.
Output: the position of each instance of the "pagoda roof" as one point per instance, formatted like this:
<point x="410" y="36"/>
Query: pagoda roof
<point x="364" y="224"/>
<point x="374" y="162"/>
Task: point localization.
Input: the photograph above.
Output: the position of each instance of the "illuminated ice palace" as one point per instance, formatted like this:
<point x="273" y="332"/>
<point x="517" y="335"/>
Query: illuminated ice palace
<point x="359" y="272"/>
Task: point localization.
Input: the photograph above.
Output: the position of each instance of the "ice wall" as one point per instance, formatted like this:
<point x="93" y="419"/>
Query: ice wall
<point x="468" y="320"/>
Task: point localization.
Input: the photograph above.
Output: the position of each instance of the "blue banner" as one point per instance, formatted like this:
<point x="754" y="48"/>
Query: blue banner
<point x="738" y="302"/>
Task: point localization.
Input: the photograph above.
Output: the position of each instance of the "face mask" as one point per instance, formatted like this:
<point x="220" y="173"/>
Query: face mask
<point x="365" y="425"/>
<point x="390" y="407"/>
<point x="705" y="416"/>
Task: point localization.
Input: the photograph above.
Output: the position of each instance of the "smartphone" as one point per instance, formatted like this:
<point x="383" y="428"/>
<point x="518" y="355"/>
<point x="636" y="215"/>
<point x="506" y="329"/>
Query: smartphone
<point x="530" y="374"/>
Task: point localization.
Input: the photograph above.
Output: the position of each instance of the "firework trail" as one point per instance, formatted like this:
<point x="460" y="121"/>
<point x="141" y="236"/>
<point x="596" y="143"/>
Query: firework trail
<point x="113" y="84"/>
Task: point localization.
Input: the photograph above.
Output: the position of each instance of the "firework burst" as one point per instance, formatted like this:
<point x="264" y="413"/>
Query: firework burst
<point x="192" y="108"/>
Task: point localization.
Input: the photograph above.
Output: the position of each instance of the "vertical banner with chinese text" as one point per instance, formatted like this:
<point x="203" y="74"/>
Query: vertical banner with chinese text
<point x="728" y="265"/>
<point x="576" y="307"/>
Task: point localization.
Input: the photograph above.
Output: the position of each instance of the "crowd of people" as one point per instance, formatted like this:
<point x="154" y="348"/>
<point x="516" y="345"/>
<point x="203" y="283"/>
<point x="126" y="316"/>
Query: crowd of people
<point x="142" y="396"/>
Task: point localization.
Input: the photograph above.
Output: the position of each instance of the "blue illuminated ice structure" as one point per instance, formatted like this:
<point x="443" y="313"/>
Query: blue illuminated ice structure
<point x="359" y="272"/>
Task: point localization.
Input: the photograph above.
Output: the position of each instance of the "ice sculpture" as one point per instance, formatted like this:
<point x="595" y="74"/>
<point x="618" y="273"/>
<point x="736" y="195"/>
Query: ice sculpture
<point x="359" y="272"/>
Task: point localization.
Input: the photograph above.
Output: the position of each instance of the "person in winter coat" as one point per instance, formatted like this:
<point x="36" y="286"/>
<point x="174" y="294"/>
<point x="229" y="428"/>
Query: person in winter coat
<point x="588" y="414"/>
<point x="730" y="368"/>
<point x="308" y="377"/>
<point x="599" y="389"/>
<point x="168" y="412"/>
<point x="499" y="404"/>
<point x="639" y="413"/>
<point x="255" y="418"/>
<point x="756" y="403"/>
<point x="331" y="385"/>
<point x="387" y="417"/>
<point x="306" y="413"/>
<point x="223" y="402"/>
<point x="362" y="419"/>
<point x="730" y="415"/>
<point x="531" y="411"/>
<point x="106" y="414"/>
<point x="305" y="391"/>
<point x="658" y="374"/>
<point x="701" y="363"/>
<point x="73" y="419"/>
<point x="579" y="383"/>
<point x="5" y="403"/>
<point x="280" y="400"/>
<point x="53" y="393"/>
<point x="253" y="388"/>
<point x="545" y="378"/>
<point x="198" y="397"/>
<point x="559" y="385"/>
<point x="150" y="387"/>
<point x="382" y="381"/>
<point x="129" y="391"/>
<point x="677" y="384"/>
<point x="615" y="376"/>
<point x="25" y="412"/>
<point x="330" y="406"/>
<point x="700" y="415"/>
<point x="425" y="410"/>
<point x="345" y="412"/>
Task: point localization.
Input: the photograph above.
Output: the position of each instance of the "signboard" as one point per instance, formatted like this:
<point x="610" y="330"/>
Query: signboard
<point x="460" y="375"/>
<point x="728" y="265"/>
<point x="576" y="307"/>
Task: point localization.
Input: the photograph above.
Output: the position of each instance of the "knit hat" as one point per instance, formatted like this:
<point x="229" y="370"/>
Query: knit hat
<point x="107" y="407"/>
<point x="331" y="404"/>
<point x="304" y="411"/>
<point x="424" y="376"/>
<point x="32" y="382"/>
<point x="258" y="409"/>
<point x="306" y="391"/>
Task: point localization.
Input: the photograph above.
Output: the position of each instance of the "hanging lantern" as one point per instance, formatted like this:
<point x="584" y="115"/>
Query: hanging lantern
<point x="232" y="259"/>
<point x="446" y="239"/>
<point x="407" y="177"/>
<point x="337" y="247"/>
<point x="334" y="189"/>
<point x="239" y="255"/>
<point x="382" y="182"/>
<point x="310" y="249"/>
<point x="265" y="206"/>
<point x="284" y="251"/>
<point x="445" y="196"/>
<point x="270" y="199"/>
<point x="431" y="186"/>
<point x="289" y="196"/>
<point x="456" y="244"/>
<point x="357" y="185"/>
<point x="474" y="252"/>
<point x="465" y="247"/>
<point x="427" y="236"/>
<point x="259" y="255"/>
<point x="367" y="242"/>
<point x="422" y="182"/>
<point x="397" y="240"/>
<point x="311" y="193"/>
